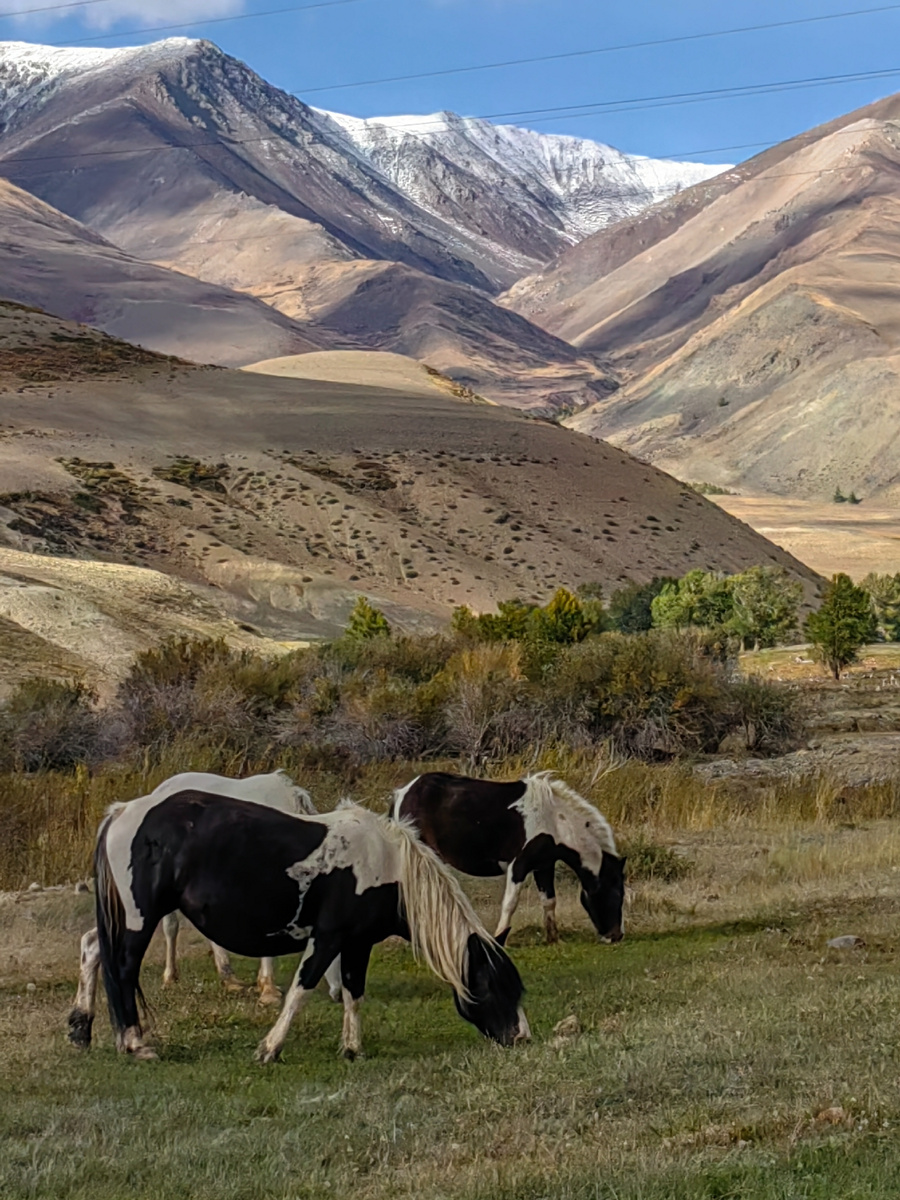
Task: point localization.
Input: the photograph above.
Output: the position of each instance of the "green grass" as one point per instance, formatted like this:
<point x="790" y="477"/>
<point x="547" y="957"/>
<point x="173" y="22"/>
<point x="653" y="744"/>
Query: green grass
<point x="708" y="1053"/>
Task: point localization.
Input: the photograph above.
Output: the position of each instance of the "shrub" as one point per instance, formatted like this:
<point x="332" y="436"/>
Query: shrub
<point x="651" y="860"/>
<point x="49" y="725"/>
<point x="653" y="695"/>
<point x="770" y="716"/>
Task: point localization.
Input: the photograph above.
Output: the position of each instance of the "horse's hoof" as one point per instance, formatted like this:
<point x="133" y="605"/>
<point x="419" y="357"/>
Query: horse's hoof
<point x="351" y="1055"/>
<point x="144" y="1054"/>
<point x="336" y="995"/>
<point x="169" y="981"/>
<point x="270" y="997"/>
<point x="80" y="1025"/>
<point x="265" y="1055"/>
<point x="231" y="983"/>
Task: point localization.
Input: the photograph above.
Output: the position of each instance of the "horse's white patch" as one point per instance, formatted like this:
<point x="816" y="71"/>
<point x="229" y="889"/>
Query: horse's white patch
<point x="400" y="796"/>
<point x="550" y="806"/>
<point x="276" y="790"/>
<point x="351" y="842"/>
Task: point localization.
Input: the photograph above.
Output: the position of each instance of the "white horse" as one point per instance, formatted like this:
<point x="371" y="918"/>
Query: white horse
<point x="276" y="790"/>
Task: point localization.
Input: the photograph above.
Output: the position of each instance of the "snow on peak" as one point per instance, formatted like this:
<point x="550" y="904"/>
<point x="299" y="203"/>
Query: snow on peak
<point x="589" y="184"/>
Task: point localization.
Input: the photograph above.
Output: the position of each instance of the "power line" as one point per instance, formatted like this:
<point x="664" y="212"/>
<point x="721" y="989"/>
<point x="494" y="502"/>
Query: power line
<point x="99" y="37"/>
<point x="426" y="125"/>
<point x="643" y="45"/>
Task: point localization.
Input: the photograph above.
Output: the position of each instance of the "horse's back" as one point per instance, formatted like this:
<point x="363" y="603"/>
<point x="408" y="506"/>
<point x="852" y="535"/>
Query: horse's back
<point x="276" y="790"/>
<point x="471" y="823"/>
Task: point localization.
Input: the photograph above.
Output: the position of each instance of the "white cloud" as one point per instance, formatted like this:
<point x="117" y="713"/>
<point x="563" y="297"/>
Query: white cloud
<point x="105" y="14"/>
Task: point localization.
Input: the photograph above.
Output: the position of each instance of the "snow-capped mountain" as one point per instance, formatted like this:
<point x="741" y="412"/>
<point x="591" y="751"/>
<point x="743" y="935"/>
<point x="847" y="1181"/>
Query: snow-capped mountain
<point x="194" y="143"/>
<point x="586" y="185"/>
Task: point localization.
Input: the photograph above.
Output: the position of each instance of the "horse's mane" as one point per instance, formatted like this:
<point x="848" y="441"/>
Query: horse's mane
<point x="571" y="799"/>
<point x="440" y="915"/>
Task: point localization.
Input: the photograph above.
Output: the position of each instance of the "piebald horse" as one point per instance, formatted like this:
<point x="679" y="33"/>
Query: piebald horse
<point x="484" y="828"/>
<point x="276" y="790"/>
<point x="258" y="881"/>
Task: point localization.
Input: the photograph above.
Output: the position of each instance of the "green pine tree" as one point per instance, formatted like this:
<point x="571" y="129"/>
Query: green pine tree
<point x="845" y="621"/>
<point x="366" y="622"/>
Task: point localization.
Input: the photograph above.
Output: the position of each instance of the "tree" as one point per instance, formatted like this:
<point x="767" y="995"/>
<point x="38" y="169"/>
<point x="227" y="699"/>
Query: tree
<point x="629" y="606"/>
<point x="698" y="598"/>
<point x="845" y="621"/>
<point x="765" y="604"/>
<point x="885" y="593"/>
<point x="366" y="622"/>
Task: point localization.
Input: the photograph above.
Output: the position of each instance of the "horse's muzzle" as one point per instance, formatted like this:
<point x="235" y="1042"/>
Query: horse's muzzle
<point x="615" y="936"/>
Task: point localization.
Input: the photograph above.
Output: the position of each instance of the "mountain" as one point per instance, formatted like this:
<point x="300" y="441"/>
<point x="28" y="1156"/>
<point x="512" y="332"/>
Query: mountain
<point x="49" y="261"/>
<point x="275" y="501"/>
<point x="751" y="318"/>
<point x="197" y="148"/>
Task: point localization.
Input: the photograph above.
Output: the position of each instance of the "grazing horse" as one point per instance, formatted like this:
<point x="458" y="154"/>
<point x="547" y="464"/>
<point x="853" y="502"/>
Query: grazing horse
<point x="260" y="882"/>
<point x="276" y="790"/>
<point x="486" y="828"/>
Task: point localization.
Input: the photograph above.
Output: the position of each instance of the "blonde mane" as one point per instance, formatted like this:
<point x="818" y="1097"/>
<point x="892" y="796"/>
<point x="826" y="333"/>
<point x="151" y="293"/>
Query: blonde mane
<point x="571" y="799"/>
<point x="440" y="916"/>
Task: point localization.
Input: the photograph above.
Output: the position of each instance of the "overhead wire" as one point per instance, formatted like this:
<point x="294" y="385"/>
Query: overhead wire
<point x="99" y="37"/>
<point x="429" y="124"/>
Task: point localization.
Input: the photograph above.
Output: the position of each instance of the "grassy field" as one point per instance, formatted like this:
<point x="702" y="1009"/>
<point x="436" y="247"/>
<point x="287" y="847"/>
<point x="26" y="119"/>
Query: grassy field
<point x="725" y="1052"/>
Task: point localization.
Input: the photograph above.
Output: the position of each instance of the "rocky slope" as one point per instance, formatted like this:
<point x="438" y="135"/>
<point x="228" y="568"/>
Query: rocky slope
<point x="752" y="318"/>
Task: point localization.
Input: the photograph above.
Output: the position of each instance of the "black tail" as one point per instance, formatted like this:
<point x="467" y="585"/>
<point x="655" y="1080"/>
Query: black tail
<point x="111" y="933"/>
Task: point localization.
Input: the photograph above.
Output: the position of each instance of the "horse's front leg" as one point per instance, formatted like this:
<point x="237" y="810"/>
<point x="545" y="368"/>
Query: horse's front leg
<point x="354" y="964"/>
<point x="313" y="965"/>
<point x="544" y="877"/>
<point x="269" y="994"/>
<point x="81" y="1018"/>
<point x="510" y="899"/>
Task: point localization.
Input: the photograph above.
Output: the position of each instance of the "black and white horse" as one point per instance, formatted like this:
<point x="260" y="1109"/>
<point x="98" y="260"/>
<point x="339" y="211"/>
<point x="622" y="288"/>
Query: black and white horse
<point x="258" y="881"/>
<point x="485" y="828"/>
<point x="276" y="790"/>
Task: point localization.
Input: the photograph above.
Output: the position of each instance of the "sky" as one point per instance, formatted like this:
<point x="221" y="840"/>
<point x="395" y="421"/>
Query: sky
<point x="328" y="54"/>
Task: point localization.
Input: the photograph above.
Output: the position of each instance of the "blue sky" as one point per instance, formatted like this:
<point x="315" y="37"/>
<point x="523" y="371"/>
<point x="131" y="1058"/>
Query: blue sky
<point x="371" y="39"/>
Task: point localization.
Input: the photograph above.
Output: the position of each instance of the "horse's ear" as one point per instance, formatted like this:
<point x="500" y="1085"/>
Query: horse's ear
<point x="501" y="937"/>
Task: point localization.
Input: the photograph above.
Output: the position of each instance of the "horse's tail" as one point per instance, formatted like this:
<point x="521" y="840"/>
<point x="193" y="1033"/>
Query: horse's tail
<point x="440" y="917"/>
<point x="110" y="928"/>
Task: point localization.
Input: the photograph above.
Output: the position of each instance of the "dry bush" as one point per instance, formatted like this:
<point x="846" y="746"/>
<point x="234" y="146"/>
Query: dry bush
<point x="49" y="725"/>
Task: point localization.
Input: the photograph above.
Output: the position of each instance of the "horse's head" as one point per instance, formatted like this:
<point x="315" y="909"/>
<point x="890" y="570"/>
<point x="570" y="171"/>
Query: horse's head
<point x="495" y="993"/>
<point x="602" y="898"/>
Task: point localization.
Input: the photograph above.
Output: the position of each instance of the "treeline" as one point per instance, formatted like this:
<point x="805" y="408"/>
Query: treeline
<point x="757" y="608"/>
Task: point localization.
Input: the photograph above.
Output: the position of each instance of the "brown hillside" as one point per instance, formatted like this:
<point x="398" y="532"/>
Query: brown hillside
<point x="752" y="319"/>
<point x="52" y="262"/>
<point x="289" y="497"/>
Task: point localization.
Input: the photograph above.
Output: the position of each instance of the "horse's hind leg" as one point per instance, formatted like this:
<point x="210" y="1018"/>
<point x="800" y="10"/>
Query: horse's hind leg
<point x="224" y="970"/>
<point x="333" y="979"/>
<point x="546" y="886"/>
<point x="122" y="979"/>
<point x="81" y="1018"/>
<point x="313" y="965"/>
<point x="170" y="933"/>
<point x="265" y="983"/>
